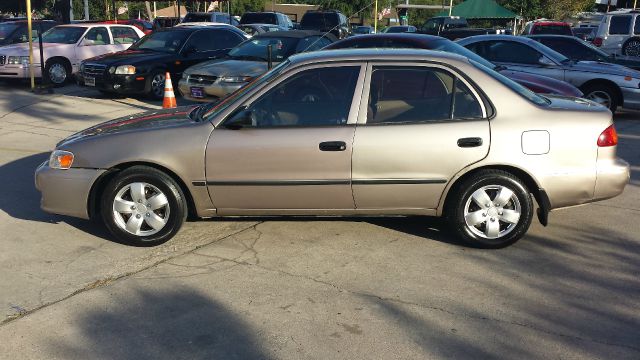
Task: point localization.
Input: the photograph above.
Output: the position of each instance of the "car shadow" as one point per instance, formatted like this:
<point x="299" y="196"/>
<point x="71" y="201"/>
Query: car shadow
<point x="180" y="323"/>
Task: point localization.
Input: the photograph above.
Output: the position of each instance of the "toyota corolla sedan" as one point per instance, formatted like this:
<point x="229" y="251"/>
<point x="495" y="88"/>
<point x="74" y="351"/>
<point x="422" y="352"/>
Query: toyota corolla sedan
<point x="345" y="132"/>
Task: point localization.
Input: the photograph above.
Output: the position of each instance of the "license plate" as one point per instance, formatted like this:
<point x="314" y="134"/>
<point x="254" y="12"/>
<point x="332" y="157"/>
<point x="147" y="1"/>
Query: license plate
<point x="197" y="92"/>
<point x="90" y="81"/>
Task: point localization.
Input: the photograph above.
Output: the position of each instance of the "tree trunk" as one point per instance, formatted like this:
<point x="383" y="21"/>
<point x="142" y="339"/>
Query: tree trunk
<point x="147" y="6"/>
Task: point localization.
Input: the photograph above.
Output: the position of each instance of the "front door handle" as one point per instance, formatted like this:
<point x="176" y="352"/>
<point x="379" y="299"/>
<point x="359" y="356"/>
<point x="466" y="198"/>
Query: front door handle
<point x="469" y="142"/>
<point x="333" y="146"/>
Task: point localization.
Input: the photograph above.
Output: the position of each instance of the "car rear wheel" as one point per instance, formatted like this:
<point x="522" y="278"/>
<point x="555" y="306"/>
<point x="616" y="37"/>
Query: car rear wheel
<point x="491" y="209"/>
<point x="143" y="206"/>
<point x="631" y="47"/>
<point x="603" y="94"/>
<point x="57" y="72"/>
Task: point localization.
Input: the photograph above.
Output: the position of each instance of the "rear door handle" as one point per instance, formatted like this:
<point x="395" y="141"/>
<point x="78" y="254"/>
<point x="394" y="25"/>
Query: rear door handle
<point x="333" y="146"/>
<point x="469" y="142"/>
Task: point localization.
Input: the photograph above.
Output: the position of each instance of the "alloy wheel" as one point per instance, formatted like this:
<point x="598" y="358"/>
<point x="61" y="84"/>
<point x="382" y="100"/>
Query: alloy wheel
<point x="157" y="85"/>
<point x="601" y="97"/>
<point x="492" y="211"/>
<point x="632" y="48"/>
<point x="140" y="209"/>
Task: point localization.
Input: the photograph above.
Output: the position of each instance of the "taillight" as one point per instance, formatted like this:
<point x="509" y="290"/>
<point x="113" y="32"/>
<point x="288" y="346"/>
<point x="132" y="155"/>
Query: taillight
<point x="609" y="137"/>
<point x="597" y="41"/>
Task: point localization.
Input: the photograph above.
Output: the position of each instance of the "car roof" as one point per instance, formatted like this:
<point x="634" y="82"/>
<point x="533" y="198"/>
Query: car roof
<point x="375" y="54"/>
<point x="90" y="25"/>
<point x="415" y="37"/>
<point x="521" y="39"/>
<point x="297" y="34"/>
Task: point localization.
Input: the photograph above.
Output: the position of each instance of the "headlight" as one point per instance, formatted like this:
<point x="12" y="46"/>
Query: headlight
<point x="60" y="159"/>
<point x="17" y="60"/>
<point x="125" y="70"/>
<point x="235" y="79"/>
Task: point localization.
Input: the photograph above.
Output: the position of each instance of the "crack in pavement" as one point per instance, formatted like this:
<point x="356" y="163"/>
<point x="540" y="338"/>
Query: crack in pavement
<point x="111" y="279"/>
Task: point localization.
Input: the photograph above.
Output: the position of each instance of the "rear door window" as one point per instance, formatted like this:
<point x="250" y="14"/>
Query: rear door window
<point x="511" y="52"/>
<point x="619" y="25"/>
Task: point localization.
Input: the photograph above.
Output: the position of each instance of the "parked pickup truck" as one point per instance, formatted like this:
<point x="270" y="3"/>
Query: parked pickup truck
<point x="453" y="28"/>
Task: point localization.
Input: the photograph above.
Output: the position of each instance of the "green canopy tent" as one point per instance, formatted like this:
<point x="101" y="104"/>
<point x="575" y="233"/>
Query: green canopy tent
<point x="479" y="9"/>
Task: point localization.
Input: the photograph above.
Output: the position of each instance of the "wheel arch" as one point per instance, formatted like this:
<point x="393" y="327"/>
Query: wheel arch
<point x="607" y="82"/>
<point x="528" y="180"/>
<point x="93" y="202"/>
<point x="64" y="60"/>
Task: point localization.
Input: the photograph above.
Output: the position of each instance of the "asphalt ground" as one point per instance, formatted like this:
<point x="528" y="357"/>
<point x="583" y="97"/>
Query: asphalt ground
<point x="303" y="288"/>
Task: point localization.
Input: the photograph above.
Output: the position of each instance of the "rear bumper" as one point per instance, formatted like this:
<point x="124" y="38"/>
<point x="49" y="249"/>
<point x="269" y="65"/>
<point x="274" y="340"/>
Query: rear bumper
<point x="612" y="177"/>
<point x="65" y="192"/>
<point x="631" y="98"/>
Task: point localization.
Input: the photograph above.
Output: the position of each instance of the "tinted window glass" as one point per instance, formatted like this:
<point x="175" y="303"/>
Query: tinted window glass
<point x="552" y="29"/>
<point x="7" y="29"/>
<point x="323" y="21"/>
<point x="316" y="97"/>
<point x="164" y="41"/>
<point x="570" y="49"/>
<point x="63" y="35"/>
<point x="311" y="43"/>
<point x="256" y="48"/>
<point x="465" y="104"/>
<point x="209" y="40"/>
<point x="619" y="25"/>
<point x="197" y="18"/>
<point x="97" y="36"/>
<point x="511" y="52"/>
<point x="124" y="35"/>
<point x="519" y="89"/>
<point x="258" y="18"/>
<point x="636" y="26"/>
<point x="409" y="94"/>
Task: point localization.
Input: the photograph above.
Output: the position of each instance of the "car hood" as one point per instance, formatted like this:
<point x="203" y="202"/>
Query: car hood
<point x="131" y="57"/>
<point x="22" y="49"/>
<point x="229" y="68"/>
<point x="542" y="84"/>
<point x="156" y="119"/>
<point x="605" y="68"/>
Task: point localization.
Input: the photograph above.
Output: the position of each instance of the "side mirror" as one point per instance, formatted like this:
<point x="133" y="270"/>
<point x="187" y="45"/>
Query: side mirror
<point x="240" y="120"/>
<point x="544" y="61"/>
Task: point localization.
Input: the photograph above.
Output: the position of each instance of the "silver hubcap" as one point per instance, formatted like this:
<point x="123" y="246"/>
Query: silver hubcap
<point x="57" y="73"/>
<point x="601" y="97"/>
<point x="157" y="85"/>
<point x="140" y="209"/>
<point x="492" y="211"/>
<point x="633" y="48"/>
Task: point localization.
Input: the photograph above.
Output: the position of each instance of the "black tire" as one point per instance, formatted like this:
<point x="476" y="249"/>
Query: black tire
<point x="598" y="91"/>
<point x="491" y="181"/>
<point x="151" y="90"/>
<point x="631" y="47"/>
<point x="57" y="72"/>
<point x="173" y="214"/>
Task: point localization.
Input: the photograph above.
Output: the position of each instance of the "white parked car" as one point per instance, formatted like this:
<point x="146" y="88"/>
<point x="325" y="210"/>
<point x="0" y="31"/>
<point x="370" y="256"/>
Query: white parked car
<point x="64" y="47"/>
<point x="619" y="33"/>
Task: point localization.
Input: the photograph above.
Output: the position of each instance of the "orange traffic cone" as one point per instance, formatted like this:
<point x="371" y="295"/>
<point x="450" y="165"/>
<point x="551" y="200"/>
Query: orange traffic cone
<point x="169" y="101"/>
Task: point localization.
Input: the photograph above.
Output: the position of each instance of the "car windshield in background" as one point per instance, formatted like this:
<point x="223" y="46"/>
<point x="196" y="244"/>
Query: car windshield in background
<point x="521" y="90"/>
<point x="212" y="109"/>
<point x="449" y="46"/>
<point x="162" y="41"/>
<point x="319" y="21"/>
<point x="196" y="18"/>
<point x="362" y="30"/>
<point x="552" y="29"/>
<point x="63" y="35"/>
<point x="256" y="49"/>
<point x="6" y="29"/>
<point x="258" y="18"/>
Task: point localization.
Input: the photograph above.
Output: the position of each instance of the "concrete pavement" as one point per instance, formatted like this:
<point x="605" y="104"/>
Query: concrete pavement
<point x="304" y="288"/>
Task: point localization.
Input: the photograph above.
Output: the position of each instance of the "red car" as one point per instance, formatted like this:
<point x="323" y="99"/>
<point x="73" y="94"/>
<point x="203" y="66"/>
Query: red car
<point x="536" y="83"/>
<point x="549" y="27"/>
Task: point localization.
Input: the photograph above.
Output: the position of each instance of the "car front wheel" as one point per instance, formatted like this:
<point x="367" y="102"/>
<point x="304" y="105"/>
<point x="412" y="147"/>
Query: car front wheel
<point x="491" y="209"/>
<point x="143" y="206"/>
<point x="57" y="72"/>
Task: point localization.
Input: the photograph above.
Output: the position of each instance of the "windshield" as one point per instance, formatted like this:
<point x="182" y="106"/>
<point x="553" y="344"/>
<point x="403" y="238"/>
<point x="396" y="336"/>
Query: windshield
<point x="552" y="29"/>
<point x="6" y="29"/>
<point x="196" y="18"/>
<point x="519" y="89"/>
<point x="63" y="35"/>
<point x="258" y="18"/>
<point x="163" y="41"/>
<point x="319" y="21"/>
<point x="256" y="49"/>
<point x="450" y="46"/>
<point x="215" y="108"/>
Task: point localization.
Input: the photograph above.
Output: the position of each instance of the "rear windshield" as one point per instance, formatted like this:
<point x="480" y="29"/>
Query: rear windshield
<point x="197" y="18"/>
<point x="259" y="18"/>
<point x="552" y="29"/>
<point x="519" y="89"/>
<point x="323" y="21"/>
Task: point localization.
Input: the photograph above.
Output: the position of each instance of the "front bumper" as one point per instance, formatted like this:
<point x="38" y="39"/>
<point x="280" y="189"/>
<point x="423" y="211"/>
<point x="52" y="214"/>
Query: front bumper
<point x="120" y="84"/>
<point x="65" y="192"/>
<point x="211" y="92"/>
<point x="18" y="71"/>
<point x="612" y="176"/>
<point x="631" y="98"/>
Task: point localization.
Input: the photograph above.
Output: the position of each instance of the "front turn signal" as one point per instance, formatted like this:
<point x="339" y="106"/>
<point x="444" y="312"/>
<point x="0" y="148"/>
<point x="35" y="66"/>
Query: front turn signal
<point x="60" y="159"/>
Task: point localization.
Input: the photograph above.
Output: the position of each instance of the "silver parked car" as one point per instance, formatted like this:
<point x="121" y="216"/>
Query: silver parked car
<point x="611" y="85"/>
<point x="216" y="78"/>
<point x="619" y="33"/>
<point x="345" y="132"/>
